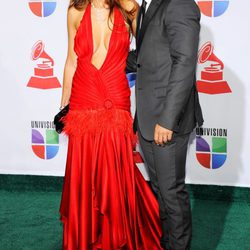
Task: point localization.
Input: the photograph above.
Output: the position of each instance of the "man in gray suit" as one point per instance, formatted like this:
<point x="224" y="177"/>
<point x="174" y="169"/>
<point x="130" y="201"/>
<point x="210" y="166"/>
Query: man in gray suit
<point x="168" y="107"/>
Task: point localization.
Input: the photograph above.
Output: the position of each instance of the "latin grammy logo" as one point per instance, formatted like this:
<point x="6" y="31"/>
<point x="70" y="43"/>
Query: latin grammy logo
<point x="44" y="71"/>
<point x="212" y="76"/>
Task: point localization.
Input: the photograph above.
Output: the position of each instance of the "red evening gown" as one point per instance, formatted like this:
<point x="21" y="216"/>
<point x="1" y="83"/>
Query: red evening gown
<point x="106" y="203"/>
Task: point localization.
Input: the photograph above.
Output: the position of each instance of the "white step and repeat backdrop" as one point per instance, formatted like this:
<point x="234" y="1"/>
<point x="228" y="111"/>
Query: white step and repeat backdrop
<point x="33" y="48"/>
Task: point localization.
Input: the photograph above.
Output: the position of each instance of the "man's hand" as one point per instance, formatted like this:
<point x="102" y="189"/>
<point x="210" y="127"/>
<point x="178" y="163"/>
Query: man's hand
<point x="162" y="135"/>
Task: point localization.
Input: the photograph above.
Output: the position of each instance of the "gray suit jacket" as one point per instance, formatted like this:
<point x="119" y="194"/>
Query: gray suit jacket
<point x="167" y="47"/>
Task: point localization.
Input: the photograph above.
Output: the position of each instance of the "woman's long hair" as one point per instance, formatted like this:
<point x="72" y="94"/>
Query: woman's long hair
<point x="79" y="4"/>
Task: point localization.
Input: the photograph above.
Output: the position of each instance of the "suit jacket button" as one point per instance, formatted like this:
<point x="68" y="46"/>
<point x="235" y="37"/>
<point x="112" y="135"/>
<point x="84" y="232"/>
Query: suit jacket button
<point x="138" y="65"/>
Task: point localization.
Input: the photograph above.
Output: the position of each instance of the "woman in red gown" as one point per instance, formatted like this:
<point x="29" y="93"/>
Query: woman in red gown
<point x="106" y="203"/>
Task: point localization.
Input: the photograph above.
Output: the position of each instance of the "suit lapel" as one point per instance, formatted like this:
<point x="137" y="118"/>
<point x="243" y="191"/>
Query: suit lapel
<point x="155" y="4"/>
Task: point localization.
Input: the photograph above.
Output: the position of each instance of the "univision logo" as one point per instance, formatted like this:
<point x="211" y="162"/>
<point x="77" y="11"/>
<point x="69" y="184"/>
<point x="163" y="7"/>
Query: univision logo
<point x="131" y="79"/>
<point x="213" y="8"/>
<point x="44" y="139"/>
<point x="42" y="8"/>
<point x="211" y="147"/>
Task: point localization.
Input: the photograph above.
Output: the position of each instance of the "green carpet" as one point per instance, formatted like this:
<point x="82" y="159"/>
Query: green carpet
<point x="29" y="217"/>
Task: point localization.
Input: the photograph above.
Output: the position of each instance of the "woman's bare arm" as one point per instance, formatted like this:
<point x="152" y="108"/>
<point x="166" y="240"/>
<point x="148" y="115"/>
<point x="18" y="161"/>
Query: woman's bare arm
<point x="70" y="64"/>
<point x="134" y="22"/>
<point x="130" y="5"/>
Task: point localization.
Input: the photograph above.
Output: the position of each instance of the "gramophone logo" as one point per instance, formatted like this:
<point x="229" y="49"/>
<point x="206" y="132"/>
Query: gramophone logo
<point x="44" y="139"/>
<point x="137" y="157"/>
<point x="44" y="70"/>
<point x="211" y="147"/>
<point x="42" y="8"/>
<point x="213" y="8"/>
<point x="211" y="81"/>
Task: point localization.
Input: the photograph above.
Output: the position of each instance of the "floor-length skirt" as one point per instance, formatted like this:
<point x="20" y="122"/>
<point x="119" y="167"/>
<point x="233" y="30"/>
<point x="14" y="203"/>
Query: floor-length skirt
<point x="106" y="203"/>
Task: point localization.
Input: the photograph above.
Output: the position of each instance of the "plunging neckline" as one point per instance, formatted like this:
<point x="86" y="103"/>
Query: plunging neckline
<point x="92" y="40"/>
